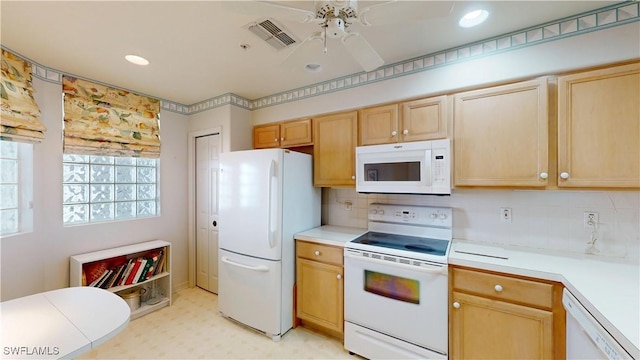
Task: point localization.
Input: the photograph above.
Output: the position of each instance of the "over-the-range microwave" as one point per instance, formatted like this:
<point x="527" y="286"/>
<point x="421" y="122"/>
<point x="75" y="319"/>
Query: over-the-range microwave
<point x="421" y="167"/>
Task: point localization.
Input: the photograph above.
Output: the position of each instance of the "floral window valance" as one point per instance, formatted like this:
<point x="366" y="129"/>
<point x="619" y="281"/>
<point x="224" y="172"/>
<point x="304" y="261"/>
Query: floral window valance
<point x="101" y="120"/>
<point x="20" y="115"/>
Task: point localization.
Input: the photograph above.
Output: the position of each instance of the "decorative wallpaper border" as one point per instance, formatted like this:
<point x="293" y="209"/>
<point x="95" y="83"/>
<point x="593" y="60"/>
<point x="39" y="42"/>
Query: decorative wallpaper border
<point x="600" y="19"/>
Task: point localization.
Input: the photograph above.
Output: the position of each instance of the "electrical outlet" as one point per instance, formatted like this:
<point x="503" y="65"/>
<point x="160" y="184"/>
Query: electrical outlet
<point x="505" y="214"/>
<point x="347" y="205"/>
<point x="590" y="219"/>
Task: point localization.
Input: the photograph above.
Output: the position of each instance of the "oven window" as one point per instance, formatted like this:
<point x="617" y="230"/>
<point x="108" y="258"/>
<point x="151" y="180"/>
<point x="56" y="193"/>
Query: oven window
<point x="393" y="287"/>
<point x="393" y="171"/>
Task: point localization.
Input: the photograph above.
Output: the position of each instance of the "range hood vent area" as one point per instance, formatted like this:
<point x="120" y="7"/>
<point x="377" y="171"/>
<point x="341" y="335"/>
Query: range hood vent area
<point x="272" y="33"/>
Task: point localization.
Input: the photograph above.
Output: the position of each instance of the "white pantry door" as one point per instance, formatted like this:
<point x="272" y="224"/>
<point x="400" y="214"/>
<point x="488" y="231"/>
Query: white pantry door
<point x="207" y="170"/>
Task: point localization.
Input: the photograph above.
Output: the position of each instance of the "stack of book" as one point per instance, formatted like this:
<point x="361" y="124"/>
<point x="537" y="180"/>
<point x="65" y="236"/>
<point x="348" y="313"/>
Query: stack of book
<point x="120" y="271"/>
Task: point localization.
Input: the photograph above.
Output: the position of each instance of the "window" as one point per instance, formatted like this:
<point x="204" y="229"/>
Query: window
<point x="103" y="188"/>
<point x="16" y="187"/>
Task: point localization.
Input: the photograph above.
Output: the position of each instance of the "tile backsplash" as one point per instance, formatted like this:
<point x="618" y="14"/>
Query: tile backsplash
<point x="541" y="219"/>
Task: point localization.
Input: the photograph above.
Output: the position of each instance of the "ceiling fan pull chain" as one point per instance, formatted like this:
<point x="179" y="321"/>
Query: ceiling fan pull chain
<point x="325" y="39"/>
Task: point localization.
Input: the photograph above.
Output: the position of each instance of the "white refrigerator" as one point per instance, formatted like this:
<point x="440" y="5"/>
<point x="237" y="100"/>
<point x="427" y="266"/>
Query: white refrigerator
<point x="266" y="196"/>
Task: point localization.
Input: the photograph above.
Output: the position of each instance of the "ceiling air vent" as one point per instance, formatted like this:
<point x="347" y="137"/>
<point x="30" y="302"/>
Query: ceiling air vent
<point x="271" y="32"/>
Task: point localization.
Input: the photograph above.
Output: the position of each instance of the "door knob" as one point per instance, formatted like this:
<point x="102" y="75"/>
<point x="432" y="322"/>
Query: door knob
<point x="394" y="133"/>
<point x="214" y="223"/>
<point x="544" y="175"/>
<point x="564" y="175"/>
<point x="456" y="305"/>
<point x="339" y="276"/>
<point x="405" y="132"/>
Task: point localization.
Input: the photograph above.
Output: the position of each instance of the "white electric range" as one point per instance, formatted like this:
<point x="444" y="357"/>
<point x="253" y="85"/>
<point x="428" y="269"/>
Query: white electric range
<point x="396" y="284"/>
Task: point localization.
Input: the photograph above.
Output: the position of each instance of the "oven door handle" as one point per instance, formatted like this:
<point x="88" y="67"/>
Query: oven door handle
<point x="433" y="269"/>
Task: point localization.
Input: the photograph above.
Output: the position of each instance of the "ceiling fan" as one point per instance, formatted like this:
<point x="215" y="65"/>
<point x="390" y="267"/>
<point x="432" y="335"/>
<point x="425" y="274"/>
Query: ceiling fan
<point x="335" y="18"/>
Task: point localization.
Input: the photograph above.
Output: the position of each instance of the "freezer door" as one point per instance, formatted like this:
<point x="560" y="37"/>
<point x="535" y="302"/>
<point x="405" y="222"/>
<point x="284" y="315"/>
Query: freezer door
<point x="250" y="291"/>
<point x="250" y="202"/>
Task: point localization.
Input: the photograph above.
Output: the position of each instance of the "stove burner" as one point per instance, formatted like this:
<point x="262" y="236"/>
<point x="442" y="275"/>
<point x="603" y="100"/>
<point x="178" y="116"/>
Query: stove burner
<point x="415" y="244"/>
<point x="420" y="247"/>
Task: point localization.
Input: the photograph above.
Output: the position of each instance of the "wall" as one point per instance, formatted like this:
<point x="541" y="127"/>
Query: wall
<point x="541" y="219"/>
<point x="550" y="219"/>
<point x="234" y="123"/>
<point x="39" y="261"/>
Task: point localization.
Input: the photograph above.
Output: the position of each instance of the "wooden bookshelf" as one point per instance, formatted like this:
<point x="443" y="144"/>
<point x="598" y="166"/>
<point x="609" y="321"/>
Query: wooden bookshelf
<point x="161" y="280"/>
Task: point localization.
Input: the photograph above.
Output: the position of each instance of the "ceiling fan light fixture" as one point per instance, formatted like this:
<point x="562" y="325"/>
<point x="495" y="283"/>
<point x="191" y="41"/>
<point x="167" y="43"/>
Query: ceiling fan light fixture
<point x="473" y="18"/>
<point x="138" y="60"/>
<point x="313" y="68"/>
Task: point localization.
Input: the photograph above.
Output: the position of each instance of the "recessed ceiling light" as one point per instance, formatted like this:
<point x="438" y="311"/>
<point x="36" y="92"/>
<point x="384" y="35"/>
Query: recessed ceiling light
<point x="313" y="67"/>
<point x="138" y="60"/>
<point x="473" y="18"/>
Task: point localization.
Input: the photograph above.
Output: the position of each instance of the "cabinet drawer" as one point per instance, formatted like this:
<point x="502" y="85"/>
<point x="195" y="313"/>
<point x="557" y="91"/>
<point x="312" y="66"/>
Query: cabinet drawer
<point x="504" y="287"/>
<point x="320" y="252"/>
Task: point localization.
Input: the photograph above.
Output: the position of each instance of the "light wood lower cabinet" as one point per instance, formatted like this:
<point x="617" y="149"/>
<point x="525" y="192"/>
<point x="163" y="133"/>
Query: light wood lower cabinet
<point x="497" y="316"/>
<point x="319" y="283"/>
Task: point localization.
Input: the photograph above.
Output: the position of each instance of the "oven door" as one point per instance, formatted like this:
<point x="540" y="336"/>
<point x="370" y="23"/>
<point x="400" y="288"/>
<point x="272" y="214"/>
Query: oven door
<point x="402" y="301"/>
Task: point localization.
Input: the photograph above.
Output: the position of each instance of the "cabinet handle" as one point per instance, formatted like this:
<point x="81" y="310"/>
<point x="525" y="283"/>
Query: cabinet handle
<point x="497" y="288"/>
<point x="339" y="276"/>
<point x="275" y="140"/>
<point x="405" y="132"/>
<point x="564" y="175"/>
<point x="544" y="175"/>
<point x="456" y="305"/>
<point x="353" y="177"/>
<point x="317" y="253"/>
<point x="282" y="139"/>
<point x="394" y="133"/>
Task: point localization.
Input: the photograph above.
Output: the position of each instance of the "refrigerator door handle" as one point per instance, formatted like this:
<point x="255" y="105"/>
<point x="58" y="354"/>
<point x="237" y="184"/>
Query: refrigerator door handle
<point x="271" y="231"/>
<point x="260" y="268"/>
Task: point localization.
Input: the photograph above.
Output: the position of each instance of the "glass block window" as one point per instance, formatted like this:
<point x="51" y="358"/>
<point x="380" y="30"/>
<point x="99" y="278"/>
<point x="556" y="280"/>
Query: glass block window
<point x="104" y="188"/>
<point x="16" y="187"/>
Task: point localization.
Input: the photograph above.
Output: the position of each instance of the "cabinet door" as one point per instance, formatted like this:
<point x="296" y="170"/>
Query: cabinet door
<point x="488" y="329"/>
<point x="599" y="128"/>
<point x="378" y="125"/>
<point x="295" y="133"/>
<point x="501" y="136"/>
<point x="266" y="136"/>
<point x="424" y="119"/>
<point x="334" y="147"/>
<point x="320" y="293"/>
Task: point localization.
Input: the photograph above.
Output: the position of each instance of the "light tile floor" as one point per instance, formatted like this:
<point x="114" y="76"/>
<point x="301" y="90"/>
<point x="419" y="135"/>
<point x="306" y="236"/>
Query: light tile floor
<point x="192" y="328"/>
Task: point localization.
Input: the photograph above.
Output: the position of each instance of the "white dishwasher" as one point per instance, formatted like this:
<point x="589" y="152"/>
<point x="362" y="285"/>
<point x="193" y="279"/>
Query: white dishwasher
<point x="586" y="338"/>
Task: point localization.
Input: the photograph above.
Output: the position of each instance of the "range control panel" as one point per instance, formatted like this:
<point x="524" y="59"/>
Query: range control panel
<point x="411" y="214"/>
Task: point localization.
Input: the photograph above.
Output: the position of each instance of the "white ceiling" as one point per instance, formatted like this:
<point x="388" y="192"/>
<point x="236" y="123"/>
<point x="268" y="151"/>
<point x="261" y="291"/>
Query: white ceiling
<point x="194" y="46"/>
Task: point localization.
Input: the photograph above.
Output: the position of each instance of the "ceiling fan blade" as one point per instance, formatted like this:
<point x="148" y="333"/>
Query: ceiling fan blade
<point x="308" y="49"/>
<point x="362" y="51"/>
<point x="270" y="9"/>
<point x="399" y="12"/>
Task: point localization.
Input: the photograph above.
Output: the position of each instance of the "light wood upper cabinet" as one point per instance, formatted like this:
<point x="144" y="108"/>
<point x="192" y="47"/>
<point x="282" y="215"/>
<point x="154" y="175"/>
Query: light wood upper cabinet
<point x="378" y="125"/>
<point x="424" y="119"/>
<point x="497" y="316"/>
<point x="285" y="134"/>
<point x="599" y="128"/>
<point x="335" y="140"/>
<point x="417" y="120"/>
<point x="320" y="286"/>
<point x="266" y="136"/>
<point x="501" y="136"/>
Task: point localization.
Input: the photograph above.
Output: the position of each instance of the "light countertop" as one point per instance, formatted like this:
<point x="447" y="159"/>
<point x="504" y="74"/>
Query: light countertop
<point x="608" y="288"/>
<point x="330" y="234"/>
